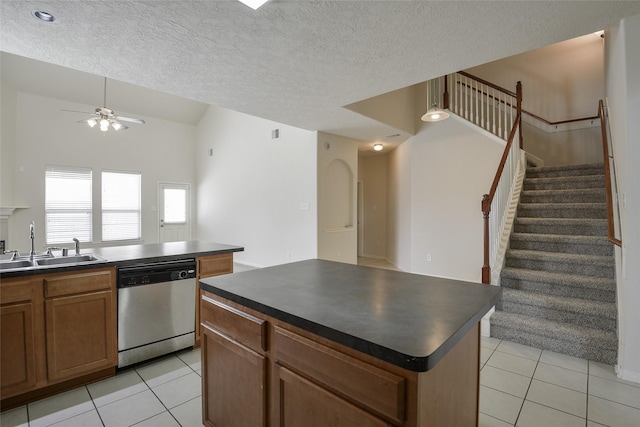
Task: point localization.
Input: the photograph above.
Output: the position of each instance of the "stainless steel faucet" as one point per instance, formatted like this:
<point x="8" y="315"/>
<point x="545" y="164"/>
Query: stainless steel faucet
<point x="32" y="236"/>
<point x="77" y="242"/>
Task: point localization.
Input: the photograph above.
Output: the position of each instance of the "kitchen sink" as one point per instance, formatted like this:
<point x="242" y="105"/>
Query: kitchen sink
<point x="8" y="264"/>
<point x="73" y="259"/>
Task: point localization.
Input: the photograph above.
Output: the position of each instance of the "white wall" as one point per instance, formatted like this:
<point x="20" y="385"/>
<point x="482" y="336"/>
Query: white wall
<point x="161" y="150"/>
<point x="623" y="94"/>
<point x="337" y="230"/>
<point x="255" y="191"/>
<point x="447" y="166"/>
<point x="372" y="171"/>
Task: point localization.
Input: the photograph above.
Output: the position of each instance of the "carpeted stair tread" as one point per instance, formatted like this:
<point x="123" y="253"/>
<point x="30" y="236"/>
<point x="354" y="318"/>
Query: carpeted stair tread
<point x="581" y="226"/>
<point x="585" y="245"/>
<point x="606" y="310"/>
<point x="563" y="182"/>
<point x="573" y="170"/>
<point x="584" y="195"/>
<point x="564" y="279"/>
<point x="563" y="210"/>
<point x="551" y="256"/>
<point x="573" y="340"/>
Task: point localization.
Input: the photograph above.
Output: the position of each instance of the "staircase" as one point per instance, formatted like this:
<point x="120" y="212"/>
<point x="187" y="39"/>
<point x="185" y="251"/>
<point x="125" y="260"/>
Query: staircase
<point x="559" y="289"/>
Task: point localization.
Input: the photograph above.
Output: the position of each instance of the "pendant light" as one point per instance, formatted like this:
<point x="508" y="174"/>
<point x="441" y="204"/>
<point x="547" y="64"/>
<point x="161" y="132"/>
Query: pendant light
<point x="434" y="113"/>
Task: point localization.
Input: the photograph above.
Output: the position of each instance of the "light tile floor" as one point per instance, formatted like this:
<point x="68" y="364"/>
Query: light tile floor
<point x="519" y="386"/>
<point x="162" y="393"/>
<point x="524" y="386"/>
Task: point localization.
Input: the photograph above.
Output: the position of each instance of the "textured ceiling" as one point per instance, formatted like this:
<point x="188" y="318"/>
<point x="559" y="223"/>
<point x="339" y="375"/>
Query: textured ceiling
<point x="295" y="62"/>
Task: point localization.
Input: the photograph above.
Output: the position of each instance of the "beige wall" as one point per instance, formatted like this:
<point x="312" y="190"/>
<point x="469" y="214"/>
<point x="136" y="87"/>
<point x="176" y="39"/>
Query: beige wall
<point x="372" y="172"/>
<point x="559" y="82"/>
<point x="337" y="194"/>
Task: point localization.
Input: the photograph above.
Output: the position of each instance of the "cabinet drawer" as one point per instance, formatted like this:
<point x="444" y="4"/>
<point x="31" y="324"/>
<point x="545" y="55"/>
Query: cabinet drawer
<point x="381" y="391"/>
<point x="215" y="265"/>
<point x="16" y="290"/>
<point x="235" y="324"/>
<point x="77" y="283"/>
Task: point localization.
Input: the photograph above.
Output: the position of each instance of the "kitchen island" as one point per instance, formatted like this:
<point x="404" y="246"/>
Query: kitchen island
<point x="320" y="343"/>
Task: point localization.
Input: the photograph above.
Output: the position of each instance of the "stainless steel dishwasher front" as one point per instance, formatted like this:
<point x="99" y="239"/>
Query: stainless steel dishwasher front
<point x="156" y="309"/>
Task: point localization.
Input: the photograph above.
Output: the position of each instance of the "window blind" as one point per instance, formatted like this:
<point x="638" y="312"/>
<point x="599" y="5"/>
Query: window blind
<point x="121" y="206"/>
<point x="67" y="204"/>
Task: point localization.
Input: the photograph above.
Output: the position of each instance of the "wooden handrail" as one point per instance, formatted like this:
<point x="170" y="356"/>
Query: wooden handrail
<point x="607" y="176"/>
<point x="487" y="199"/>
<point x="561" y="122"/>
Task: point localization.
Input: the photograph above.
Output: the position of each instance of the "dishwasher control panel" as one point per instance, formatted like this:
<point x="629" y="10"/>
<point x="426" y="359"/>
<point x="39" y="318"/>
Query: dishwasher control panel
<point x="147" y="274"/>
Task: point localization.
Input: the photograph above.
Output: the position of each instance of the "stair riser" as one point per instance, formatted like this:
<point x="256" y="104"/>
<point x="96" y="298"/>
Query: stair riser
<point x="574" y="230"/>
<point x="562" y="184"/>
<point x="578" y="319"/>
<point x="558" y="212"/>
<point x="560" y="290"/>
<point x="589" y="351"/>
<point x="564" y="198"/>
<point x="563" y="247"/>
<point x="592" y="269"/>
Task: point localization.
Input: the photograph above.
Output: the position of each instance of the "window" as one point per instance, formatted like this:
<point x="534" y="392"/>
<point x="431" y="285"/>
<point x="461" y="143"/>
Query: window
<point x="67" y="204"/>
<point x="121" y="206"/>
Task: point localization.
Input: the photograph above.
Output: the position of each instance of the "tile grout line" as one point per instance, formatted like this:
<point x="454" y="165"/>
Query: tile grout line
<point x="93" y="402"/>
<point x="528" y="388"/>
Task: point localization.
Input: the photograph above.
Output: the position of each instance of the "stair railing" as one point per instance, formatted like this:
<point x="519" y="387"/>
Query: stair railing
<point x="608" y="164"/>
<point x="498" y="111"/>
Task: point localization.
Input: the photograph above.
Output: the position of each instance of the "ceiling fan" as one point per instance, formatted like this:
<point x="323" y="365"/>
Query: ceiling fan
<point x="105" y="117"/>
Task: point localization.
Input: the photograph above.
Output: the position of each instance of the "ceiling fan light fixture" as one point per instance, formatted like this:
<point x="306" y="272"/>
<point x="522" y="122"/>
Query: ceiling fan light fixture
<point x="91" y="122"/>
<point x="116" y="125"/>
<point x="104" y="125"/>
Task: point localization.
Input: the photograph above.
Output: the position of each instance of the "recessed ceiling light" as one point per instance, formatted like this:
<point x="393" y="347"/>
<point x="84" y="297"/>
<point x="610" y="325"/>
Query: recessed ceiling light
<point x="44" y="16"/>
<point x="253" y="4"/>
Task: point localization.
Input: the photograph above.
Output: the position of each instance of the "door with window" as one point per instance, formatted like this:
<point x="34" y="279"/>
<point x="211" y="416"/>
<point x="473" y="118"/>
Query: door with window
<point x="174" y="213"/>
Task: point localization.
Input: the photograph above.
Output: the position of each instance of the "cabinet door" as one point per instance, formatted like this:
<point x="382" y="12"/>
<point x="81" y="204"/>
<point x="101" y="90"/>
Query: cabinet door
<point x="80" y="333"/>
<point x="234" y="382"/>
<point x="300" y="402"/>
<point x="17" y="361"/>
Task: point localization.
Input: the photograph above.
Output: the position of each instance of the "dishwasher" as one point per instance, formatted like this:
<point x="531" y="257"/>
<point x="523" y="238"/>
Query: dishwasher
<point x="156" y="309"/>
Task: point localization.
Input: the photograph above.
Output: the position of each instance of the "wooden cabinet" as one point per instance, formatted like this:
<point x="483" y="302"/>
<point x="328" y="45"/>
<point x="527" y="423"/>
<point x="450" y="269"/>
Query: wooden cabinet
<point x="209" y="266"/>
<point x="58" y="331"/>
<point x="261" y="371"/>
<point x="234" y="371"/>
<point x="21" y="326"/>
<point x="80" y="312"/>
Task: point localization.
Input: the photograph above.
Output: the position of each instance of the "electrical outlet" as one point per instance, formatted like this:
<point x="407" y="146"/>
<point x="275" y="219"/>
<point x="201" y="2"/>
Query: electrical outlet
<point x="429" y="257"/>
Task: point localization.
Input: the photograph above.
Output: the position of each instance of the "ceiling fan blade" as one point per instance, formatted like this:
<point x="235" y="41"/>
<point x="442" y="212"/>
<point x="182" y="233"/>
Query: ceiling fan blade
<point x="81" y="112"/>
<point x="129" y="119"/>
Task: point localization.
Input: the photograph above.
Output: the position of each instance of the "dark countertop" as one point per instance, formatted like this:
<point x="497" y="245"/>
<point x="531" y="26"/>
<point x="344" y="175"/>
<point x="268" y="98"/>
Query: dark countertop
<point x="409" y="320"/>
<point x="131" y="255"/>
